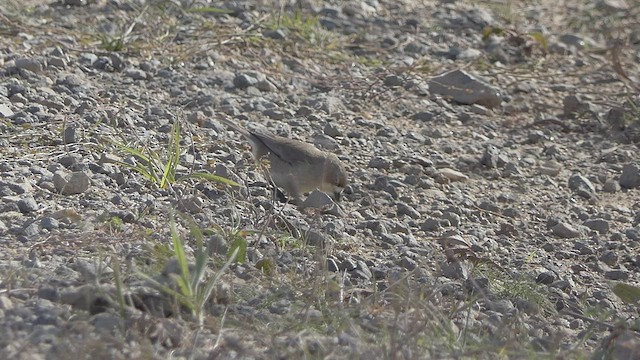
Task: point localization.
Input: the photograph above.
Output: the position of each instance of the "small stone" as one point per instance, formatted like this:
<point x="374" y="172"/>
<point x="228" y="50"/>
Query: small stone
<point x="27" y="205"/>
<point x="582" y="186"/>
<point x="266" y="86"/>
<point x="107" y="158"/>
<point x="490" y="157"/>
<point x="573" y="104"/>
<point x="423" y="116"/>
<point x="454" y="270"/>
<point x="278" y="34"/>
<point x="191" y="204"/>
<point x="630" y="177"/>
<point x="70" y="184"/>
<point x="609" y="257"/>
<point x="430" y="225"/>
<point x="404" y="209"/>
<point x="318" y="200"/>
<point x="393" y="80"/>
<point x="49" y="223"/>
<point x="464" y="88"/>
<point x="69" y="136"/>
<point x="452" y="175"/>
<point x="136" y="74"/>
<point x="30" y="64"/>
<point x="546" y="277"/>
<point x="5" y="303"/>
<point x="107" y="323"/>
<point x="611" y="186"/>
<point x="243" y="81"/>
<point x="565" y="230"/>
<point x="332" y="130"/>
<point x="379" y="162"/>
<point x="30" y="230"/>
<point x="599" y="225"/>
<point x="5" y="111"/>
<point x="616" y="275"/>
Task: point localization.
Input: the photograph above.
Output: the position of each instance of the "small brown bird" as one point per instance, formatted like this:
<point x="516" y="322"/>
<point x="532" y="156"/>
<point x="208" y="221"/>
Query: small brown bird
<point x="295" y="166"/>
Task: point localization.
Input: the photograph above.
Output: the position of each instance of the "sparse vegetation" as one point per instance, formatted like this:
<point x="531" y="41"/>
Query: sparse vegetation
<point x="240" y="275"/>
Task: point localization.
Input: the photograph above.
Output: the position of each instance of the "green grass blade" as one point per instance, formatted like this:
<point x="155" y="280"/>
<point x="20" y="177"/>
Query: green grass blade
<point x="210" y="10"/>
<point x="181" y="257"/>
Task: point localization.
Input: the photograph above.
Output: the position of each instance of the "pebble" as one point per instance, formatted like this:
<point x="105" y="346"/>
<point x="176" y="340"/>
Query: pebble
<point x="599" y="225"/>
<point x="71" y="183"/>
<point x="429" y="157"/>
<point x="464" y="88"/>
<point x="27" y="205"/>
<point x="630" y="177"/>
<point x="582" y="186"/>
<point x="565" y="230"/>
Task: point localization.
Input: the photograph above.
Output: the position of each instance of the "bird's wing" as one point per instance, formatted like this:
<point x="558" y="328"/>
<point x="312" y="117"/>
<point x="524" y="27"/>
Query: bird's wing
<point x="288" y="150"/>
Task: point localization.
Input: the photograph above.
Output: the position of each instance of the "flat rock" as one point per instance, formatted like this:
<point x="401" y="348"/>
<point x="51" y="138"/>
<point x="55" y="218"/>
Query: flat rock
<point x="464" y="88"/>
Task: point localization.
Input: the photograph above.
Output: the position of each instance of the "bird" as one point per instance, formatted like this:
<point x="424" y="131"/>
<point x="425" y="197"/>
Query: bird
<point x="294" y="166"/>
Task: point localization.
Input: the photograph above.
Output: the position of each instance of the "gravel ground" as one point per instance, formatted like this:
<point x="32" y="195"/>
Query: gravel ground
<point x="493" y="209"/>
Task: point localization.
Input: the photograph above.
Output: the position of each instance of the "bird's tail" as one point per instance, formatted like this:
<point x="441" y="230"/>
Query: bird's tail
<point x="233" y="125"/>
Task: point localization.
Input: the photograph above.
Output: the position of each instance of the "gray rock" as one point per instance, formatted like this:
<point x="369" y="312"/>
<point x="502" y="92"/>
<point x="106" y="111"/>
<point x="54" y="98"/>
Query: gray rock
<point x="573" y="105"/>
<point x="609" y="257"/>
<point x="70" y="184"/>
<point x="243" y="81"/>
<point x="325" y="142"/>
<point x="490" y="156"/>
<point x="582" y="186"/>
<point x="630" y="177"/>
<point x="31" y="230"/>
<point x="632" y="234"/>
<point x="611" y="186"/>
<point x="69" y="136"/>
<point x="277" y="34"/>
<point x="407" y="263"/>
<point x="107" y="323"/>
<point x="393" y="80"/>
<point x="379" y="162"/>
<point x="448" y="174"/>
<point x="616" y="275"/>
<point x="191" y="204"/>
<point x="314" y="237"/>
<point x="452" y="218"/>
<point x="405" y="209"/>
<point x="430" y="224"/>
<point x="332" y="265"/>
<point x="546" y="277"/>
<point x="320" y="201"/>
<point x="31" y="64"/>
<point x="454" y="270"/>
<point x="327" y="103"/>
<point x="423" y="116"/>
<point x="136" y="74"/>
<point x="5" y="111"/>
<point x="464" y="88"/>
<point x="565" y="230"/>
<point x="49" y="223"/>
<point x="27" y="205"/>
<point x="612" y="6"/>
<point x="573" y="40"/>
<point x="392" y="239"/>
<point x="332" y="130"/>
<point x="266" y="86"/>
<point x="503" y="306"/>
<point x="599" y="225"/>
